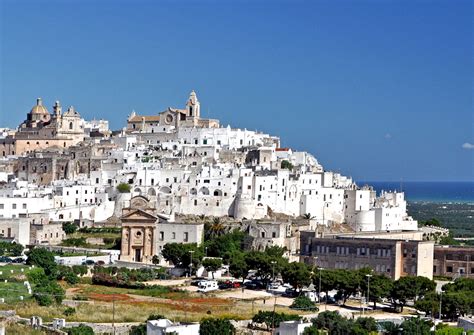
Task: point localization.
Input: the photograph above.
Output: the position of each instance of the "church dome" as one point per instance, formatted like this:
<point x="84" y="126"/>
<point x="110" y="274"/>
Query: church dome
<point x="39" y="108"/>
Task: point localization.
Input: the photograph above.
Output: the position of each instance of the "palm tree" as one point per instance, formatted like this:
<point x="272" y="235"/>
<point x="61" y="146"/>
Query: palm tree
<point x="308" y="216"/>
<point x="216" y="228"/>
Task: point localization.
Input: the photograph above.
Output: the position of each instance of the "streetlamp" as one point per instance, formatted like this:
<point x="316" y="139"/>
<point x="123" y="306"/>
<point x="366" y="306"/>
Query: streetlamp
<point x="191" y="264"/>
<point x="319" y="294"/>
<point x="273" y="270"/>
<point x="368" y="290"/>
<point x="440" y="303"/>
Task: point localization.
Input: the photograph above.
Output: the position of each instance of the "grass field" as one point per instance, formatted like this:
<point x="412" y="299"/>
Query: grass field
<point x="16" y="328"/>
<point x="14" y="288"/>
<point x="129" y="310"/>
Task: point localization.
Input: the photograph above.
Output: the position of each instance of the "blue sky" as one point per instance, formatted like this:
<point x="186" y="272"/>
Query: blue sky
<point x="379" y="90"/>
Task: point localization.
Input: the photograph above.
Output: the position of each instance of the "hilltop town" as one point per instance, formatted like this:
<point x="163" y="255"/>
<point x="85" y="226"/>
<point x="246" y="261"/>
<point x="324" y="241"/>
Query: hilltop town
<point x="166" y="186"/>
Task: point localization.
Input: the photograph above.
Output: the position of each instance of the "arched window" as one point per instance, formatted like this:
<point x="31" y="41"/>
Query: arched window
<point x="71" y="125"/>
<point x="204" y="191"/>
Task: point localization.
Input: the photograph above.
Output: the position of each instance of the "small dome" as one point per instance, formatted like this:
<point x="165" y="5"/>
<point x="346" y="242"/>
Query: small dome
<point x="39" y="108"/>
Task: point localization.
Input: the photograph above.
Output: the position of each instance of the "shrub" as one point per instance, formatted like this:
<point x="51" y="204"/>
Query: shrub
<point x="69" y="311"/>
<point x="303" y="303"/>
<point x="44" y="259"/>
<point x="274" y="318"/>
<point x="71" y="278"/>
<point x="79" y="270"/>
<point x="69" y="228"/>
<point x="123" y="188"/>
<point x="214" y="326"/>
<point x="36" y="276"/>
<point x="10" y="249"/>
<point x="138" y="330"/>
<point x="79" y="330"/>
<point x="47" y="292"/>
<point x="75" y="242"/>
<point x="286" y="165"/>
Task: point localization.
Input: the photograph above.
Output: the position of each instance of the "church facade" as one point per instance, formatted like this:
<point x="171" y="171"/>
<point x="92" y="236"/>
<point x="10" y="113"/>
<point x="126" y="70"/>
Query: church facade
<point x="42" y="130"/>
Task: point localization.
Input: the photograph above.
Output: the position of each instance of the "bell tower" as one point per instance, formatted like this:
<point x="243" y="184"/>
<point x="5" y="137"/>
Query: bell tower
<point x="193" y="107"/>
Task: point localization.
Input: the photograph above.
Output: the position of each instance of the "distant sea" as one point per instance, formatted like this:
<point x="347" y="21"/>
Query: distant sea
<point x="441" y="192"/>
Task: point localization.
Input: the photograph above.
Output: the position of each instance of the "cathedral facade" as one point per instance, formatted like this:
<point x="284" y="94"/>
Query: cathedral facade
<point x="42" y="130"/>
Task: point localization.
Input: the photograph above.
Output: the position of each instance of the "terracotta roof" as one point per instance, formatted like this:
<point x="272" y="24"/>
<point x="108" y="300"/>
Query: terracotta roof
<point x="148" y="118"/>
<point x="282" y="149"/>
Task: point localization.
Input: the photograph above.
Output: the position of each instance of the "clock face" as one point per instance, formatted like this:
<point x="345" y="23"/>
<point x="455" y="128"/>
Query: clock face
<point x="169" y="118"/>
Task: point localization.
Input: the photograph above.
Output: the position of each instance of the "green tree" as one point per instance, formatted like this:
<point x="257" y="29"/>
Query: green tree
<point x="237" y="265"/>
<point x="380" y="287"/>
<point x="333" y="322"/>
<point x="44" y="259"/>
<point x="303" y="303"/>
<point x="11" y="249"/>
<point x="368" y="324"/>
<point x="416" y="326"/>
<point x="297" y="274"/>
<point x="180" y="254"/>
<point x="390" y="328"/>
<point x="71" y="278"/>
<point x="80" y="330"/>
<point x="410" y="288"/>
<point x="48" y="292"/>
<point x="267" y="263"/>
<point x="36" y="276"/>
<point x="270" y="318"/>
<point x="212" y="265"/>
<point x="123" y="188"/>
<point x="312" y="330"/>
<point x="214" y="326"/>
<point x="286" y="165"/>
<point x="69" y="228"/>
<point x="138" y="330"/>
<point x="155" y="259"/>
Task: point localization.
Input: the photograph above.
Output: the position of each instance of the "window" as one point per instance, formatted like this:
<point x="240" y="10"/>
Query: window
<point x="185" y="237"/>
<point x="195" y="202"/>
<point x="263" y="234"/>
<point x="449" y="269"/>
<point x="274" y="234"/>
<point x="162" y="235"/>
<point x="1" y="206"/>
<point x="13" y="206"/>
<point x="173" y="236"/>
<point x="434" y="268"/>
<point x="96" y="180"/>
<point x="24" y="206"/>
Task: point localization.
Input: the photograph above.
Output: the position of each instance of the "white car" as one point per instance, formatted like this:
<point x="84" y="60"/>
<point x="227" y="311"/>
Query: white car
<point x="207" y="286"/>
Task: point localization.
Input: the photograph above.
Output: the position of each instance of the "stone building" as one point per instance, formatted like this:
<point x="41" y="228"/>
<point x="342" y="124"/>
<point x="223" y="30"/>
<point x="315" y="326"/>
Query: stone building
<point x="42" y="130"/>
<point x="453" y="261"/>
<point x="138" y="231"/>
<point x="388" y="254"/>
<point x="171" y="119"/>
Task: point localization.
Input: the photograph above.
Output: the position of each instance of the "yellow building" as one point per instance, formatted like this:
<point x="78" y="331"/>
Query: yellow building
<point x="42" y="130"/>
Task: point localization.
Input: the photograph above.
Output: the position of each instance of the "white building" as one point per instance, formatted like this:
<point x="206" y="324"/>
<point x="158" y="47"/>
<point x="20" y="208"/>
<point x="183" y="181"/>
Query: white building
<point x="165" y="326"/>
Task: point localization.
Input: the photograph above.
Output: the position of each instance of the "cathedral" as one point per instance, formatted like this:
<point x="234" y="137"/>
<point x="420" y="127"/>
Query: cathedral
<point x="42" y="130"/>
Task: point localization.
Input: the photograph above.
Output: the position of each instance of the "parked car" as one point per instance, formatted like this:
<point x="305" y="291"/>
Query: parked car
<point x="5" y="259"/>
<point x="229" y="284"/>
<point x="18" y="260"/>
<point x="291" y="293"/>
<point x="207" y="286"/>
<point x="88" y="262"/>
<point x="254" y="284"/>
